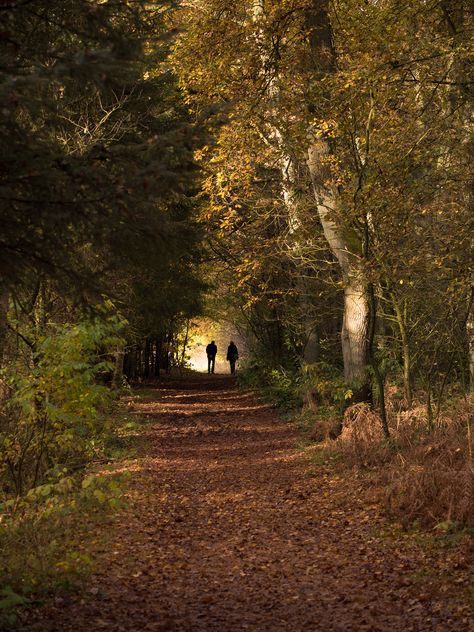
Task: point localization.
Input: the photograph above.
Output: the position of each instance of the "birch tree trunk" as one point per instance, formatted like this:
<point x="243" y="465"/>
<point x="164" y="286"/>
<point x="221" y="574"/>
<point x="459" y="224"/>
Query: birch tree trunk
<point x="354" y="335"/>
<point x="289" y="183"/>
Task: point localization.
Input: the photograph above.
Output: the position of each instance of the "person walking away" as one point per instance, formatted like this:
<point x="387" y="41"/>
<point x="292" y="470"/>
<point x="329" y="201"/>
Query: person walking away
<point x="232" y="356"/>
<point x="211" y="351"/>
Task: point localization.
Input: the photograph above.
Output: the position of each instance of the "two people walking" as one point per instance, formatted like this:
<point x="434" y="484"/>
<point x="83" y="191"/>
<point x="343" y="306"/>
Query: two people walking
<point x="232" y="356"/>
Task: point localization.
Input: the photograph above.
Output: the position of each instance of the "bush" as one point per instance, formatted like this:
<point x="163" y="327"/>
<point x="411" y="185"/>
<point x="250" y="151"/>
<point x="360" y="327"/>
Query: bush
<point x="279" y="386"/>
<point x="55" y="411"/>
<point x="44" y="535"/>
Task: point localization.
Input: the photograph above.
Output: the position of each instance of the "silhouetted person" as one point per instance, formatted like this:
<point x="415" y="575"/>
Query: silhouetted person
<point x="232" y="356"/>
<point x="211" y="351"/>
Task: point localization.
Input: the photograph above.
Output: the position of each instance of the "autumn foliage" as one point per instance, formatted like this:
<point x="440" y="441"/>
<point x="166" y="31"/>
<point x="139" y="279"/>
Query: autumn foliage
<point x="297" y="173"/>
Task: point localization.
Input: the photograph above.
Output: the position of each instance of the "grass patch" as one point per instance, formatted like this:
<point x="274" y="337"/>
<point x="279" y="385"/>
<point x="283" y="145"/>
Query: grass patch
<point x="325" y="456"/>
<point x="125" y="439"/>
<point x="144" y="394"/>
<point x="303" y="443"/>
<point x="443" y="536"/>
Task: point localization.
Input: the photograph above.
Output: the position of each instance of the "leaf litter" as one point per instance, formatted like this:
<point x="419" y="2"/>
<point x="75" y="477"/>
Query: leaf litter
<point x="230" y="527"/>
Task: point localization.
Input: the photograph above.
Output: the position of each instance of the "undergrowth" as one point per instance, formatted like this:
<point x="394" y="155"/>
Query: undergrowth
<point x="426" y="469"/>
<point x="46" y="536"/>
<point x="427" y="472"/>
<point x="280" y="386"/>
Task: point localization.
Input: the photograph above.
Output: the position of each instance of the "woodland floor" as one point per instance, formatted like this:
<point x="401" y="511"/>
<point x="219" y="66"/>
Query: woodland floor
<point x="230" y="527"/>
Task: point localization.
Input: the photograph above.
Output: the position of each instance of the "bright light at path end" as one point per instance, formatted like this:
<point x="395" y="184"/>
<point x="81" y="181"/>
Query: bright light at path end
<point x="198" y="359"/>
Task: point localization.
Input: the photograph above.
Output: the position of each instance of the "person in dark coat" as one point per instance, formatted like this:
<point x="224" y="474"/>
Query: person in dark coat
<point x="232" y="356"/>
<point x="211" y="351"/>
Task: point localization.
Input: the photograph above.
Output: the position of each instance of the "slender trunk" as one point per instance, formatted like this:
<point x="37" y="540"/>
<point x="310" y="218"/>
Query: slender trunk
<point x="146" y="359"/>
<point x="407" y="373"/>
<point x="185" y="346"/>
<point x="4" y="302"/>
<point x="312" y="349"/>
<point x="140" y="362"/>
<point x="406" y="351"/>
<point x="373" y="360"/>
<point x="132" y="363"/>
<point x="429" y="409"/>
<point x="118" y="368"/>
<point x="159" y="356"/>
<point x="167" y="353"/>
<point x="470" y="339"/>
<point x="153" y="358"/>
<point x="42" y="420"/>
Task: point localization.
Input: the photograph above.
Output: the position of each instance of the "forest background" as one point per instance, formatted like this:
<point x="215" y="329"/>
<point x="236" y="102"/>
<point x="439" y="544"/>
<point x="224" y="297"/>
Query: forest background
<point x="299" y="170"/>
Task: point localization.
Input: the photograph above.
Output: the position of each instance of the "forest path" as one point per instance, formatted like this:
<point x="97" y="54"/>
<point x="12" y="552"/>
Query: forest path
<point x="230" y="527"/>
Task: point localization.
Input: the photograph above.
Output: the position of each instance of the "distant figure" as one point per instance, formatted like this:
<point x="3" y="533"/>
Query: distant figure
<point x="211" y="351"/>
<point x="232" y="356"/>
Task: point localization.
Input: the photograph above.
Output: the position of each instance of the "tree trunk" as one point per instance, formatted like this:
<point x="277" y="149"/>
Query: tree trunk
<point x="146" y="358"/>
<point x="355" y="339"/>
<point x="373" y="359"/>
<point x="4" y="302"/>
<point x="406" y="352"/>
<point x="152" y="358"/>
<point x="354" y="335"/>
<point x="118" y="368"/>
<point x="354" y="330"/>
<point x="312" y="350"/>
<point x="470" y="339"/>
<point x="182" y="360"/>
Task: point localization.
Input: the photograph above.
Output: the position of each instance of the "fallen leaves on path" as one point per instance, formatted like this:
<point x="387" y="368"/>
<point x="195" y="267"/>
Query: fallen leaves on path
<point x="229" y="527"/>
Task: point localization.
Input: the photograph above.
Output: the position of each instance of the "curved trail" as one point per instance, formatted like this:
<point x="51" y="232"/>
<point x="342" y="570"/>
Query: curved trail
<point x="229" y="528"/>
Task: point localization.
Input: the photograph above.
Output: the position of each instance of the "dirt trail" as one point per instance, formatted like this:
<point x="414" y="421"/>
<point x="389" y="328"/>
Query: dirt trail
<point x="230" y="528"/>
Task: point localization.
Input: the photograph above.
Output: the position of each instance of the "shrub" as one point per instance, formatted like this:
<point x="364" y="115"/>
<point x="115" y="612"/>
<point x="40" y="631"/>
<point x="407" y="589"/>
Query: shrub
<point x="279" y="386"/>
<point x="324" y="384"/>
<point x="54" y="414"/>
<point x="44" y="538"/>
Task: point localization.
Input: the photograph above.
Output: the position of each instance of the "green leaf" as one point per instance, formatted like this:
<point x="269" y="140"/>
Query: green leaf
<point x="11" y="599"/>
<point x="99" y="494"/>
<point x="88" y="481"/>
